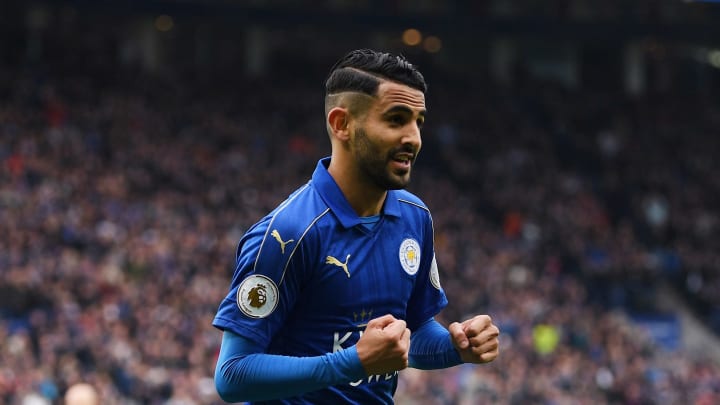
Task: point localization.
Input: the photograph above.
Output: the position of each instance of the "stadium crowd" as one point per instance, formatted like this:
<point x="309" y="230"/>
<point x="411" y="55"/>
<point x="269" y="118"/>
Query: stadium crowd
<point x="555" y="211"/>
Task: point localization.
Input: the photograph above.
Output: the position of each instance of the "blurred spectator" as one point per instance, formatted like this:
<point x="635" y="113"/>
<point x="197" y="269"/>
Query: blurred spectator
<point x="82" y="394"/>
<point x="556" y="211"/>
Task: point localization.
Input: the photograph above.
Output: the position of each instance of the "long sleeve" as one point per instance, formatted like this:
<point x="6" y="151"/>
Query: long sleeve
<point x="431" y="347"/>
<point x="245" y="373"/>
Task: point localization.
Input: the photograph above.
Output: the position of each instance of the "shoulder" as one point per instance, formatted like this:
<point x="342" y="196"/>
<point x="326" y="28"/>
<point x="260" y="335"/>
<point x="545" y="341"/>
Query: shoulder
<point x="409" y="201"/>
<point x="409" y="206"/>
<point x="294" y="216"/>
<point x="270" y="245"/>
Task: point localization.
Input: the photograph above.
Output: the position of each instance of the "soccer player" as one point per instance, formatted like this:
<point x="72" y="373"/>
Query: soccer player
<point x="336" y="289"/>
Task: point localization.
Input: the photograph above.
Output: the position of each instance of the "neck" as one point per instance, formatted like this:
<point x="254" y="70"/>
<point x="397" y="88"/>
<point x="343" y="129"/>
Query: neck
<point x="365" y="198"/>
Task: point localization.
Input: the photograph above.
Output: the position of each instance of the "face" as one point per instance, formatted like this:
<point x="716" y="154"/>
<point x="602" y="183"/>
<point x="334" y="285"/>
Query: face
<point x="386" y="140"/>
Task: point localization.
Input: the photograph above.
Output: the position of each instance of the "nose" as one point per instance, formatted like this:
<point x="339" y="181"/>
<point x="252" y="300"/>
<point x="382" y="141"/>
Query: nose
<point x="412" y="136"/>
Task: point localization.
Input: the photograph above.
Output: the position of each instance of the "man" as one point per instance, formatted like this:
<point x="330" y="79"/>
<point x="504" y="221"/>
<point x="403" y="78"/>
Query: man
<point x="329" y="285"/>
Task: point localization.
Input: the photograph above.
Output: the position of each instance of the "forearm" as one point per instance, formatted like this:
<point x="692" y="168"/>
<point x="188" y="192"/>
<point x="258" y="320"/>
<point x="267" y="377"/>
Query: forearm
<point x="431" y="348"/>
<point x="245" y="374"/>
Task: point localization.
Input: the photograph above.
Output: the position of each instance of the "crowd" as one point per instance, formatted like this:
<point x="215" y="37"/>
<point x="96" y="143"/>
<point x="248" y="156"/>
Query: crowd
<point x="555" y="211"/>
<point x="559" y="10"/>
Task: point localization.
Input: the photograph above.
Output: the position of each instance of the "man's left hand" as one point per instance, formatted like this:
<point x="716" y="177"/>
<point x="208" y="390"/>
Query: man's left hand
<point x="476" y="339"/>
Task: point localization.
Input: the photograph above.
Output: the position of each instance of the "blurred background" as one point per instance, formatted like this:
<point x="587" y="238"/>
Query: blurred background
<point x="570" y="160"/>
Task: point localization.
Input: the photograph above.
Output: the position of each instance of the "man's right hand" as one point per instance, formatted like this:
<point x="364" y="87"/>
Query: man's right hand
<point x="384" y="345"/>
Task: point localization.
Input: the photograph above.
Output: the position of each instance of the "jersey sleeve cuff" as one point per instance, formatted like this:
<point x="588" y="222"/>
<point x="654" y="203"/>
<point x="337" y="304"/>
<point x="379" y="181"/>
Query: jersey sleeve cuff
<point x="346" y="364"/>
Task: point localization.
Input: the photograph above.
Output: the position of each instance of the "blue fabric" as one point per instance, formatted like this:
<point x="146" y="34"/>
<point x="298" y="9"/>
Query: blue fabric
<point x="310" y="275"/>
<point x="431" y="347"/>
<point x="370" y="222"/>
<point x="244" y="373"/>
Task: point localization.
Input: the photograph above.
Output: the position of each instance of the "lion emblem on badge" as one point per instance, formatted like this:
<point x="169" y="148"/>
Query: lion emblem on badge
<point x="258" y="296"/>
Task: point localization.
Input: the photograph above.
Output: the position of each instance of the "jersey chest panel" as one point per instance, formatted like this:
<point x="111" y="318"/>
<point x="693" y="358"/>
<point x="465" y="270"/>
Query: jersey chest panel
<point x="357" y="276"/>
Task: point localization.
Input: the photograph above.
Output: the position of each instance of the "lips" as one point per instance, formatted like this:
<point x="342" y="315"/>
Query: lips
<point x="403" y="161"/>
<point x="405" y="158"/>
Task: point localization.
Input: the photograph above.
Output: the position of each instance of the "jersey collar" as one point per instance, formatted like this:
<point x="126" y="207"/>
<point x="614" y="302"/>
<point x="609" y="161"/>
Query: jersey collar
<point x="334" y="198"/>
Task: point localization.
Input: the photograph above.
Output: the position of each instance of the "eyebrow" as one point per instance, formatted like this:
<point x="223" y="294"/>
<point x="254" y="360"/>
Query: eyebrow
<point x="404" y="109"/>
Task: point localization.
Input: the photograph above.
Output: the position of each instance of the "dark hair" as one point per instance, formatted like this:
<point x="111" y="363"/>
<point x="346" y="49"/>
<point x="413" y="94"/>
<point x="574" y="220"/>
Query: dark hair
<point x="361" y="70"/>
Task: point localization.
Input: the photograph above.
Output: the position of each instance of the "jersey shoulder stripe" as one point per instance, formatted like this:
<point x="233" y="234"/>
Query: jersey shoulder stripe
<point x="416" y="204"/>
<point x="288" y="225"/>
<point x="407" y="197"/>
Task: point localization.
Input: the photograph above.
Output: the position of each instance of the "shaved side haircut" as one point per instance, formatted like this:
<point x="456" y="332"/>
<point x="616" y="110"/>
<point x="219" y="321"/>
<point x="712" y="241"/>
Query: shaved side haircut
<point x="358" y="75"/>
<point x="362" y="71"/>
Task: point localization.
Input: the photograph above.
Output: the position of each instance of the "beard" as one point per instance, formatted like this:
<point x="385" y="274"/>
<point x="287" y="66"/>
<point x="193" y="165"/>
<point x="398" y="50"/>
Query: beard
<point x="375" y="164"/>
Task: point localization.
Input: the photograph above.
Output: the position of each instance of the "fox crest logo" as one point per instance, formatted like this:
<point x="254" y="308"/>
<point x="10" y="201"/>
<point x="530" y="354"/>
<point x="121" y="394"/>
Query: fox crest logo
<point x="409" y="254"/>
<point x="257" y="296"/>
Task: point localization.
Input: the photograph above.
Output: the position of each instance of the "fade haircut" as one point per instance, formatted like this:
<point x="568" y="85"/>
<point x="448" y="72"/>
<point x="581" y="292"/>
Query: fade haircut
<point x="362" y="71"/>
<point x="357" y="76"/>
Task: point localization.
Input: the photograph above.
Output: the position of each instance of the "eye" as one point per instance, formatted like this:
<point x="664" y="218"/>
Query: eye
<point x="397" y="120"/>
<point x="420" y="122"/>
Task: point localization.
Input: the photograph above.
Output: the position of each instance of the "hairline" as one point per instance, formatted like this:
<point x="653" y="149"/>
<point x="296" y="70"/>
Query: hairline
<point x="378" y="76"/>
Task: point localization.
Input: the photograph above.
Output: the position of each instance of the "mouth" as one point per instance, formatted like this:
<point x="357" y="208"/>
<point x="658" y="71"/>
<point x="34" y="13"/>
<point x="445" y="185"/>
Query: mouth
<point x="403" y="160"/>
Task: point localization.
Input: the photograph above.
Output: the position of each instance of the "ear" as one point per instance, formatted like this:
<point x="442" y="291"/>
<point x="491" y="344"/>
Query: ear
<point x="338" y="120"/>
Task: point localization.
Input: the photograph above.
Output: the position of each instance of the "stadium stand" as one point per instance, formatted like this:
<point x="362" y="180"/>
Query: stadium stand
<point x="562" y="212"/>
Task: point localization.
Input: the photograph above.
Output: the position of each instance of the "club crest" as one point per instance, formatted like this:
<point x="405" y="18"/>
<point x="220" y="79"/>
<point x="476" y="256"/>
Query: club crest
<point x="410" y="256"/>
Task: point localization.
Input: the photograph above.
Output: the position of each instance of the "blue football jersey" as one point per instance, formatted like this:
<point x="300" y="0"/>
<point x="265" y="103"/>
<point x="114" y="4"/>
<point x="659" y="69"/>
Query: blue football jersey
<point x="309" y="276"/>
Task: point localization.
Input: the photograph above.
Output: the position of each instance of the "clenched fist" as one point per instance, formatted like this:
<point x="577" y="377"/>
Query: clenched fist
<point x="476" y="339"/>
<point x="384" y="345"/>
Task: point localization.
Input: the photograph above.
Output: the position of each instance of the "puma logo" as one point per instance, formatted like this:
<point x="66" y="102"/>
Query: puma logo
<point x="275" y="234"/>
<point x="332" y="260"/>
